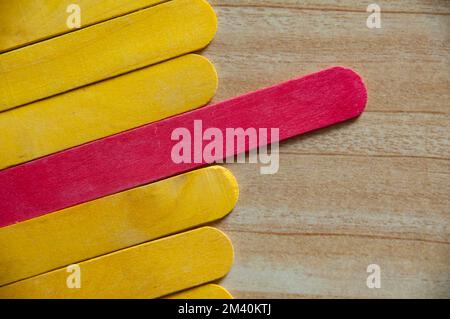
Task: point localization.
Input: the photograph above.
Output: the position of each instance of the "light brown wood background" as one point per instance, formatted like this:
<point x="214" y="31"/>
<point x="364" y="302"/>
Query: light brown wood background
<point x="375" y="190"/>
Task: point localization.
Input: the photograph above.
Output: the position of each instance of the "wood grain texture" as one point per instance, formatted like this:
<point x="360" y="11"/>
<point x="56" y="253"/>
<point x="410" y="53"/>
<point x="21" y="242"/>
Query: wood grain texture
<point x="29" y="21"/>
<point x="105" y="108"/>
<point x="115" y="222"/>
<point x="144" y="154"/>
<point x="210" y="291"/>
<point x="150" y="270"/>
<point x="79" y="58"/>
<point x="374" y="190"/>
<point x="406" y="60"/>
<point x="400" y="6"/>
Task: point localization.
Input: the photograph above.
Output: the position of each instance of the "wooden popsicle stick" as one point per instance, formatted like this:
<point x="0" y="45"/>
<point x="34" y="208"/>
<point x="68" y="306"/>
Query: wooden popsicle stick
<point x="150" y="270"/>
<point x="105" y="108"/>
<point x="104" y="50"/>
<point x="143" y="155"/>
<point x="29" y="21"/>
<point x="210" y="291"/>
<point x="115" y="222"/>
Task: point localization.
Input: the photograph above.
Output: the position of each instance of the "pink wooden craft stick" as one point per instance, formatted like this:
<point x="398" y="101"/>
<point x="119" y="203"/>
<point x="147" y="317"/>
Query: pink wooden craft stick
<point x="143" y="155"/>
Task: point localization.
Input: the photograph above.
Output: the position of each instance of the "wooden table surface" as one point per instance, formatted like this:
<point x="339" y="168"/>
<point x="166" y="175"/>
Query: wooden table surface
<point x="372" y="191"/>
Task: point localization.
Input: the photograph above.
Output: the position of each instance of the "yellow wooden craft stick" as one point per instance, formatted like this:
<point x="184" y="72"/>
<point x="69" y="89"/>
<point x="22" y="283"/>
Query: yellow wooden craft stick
<point x="209" y="291"/>
<point x="105" y="108"/>
<point x="28" y="21"/>
<point x="104" y="50"/>
<point x="115" y="222"/>
<point x="150" y="270"/>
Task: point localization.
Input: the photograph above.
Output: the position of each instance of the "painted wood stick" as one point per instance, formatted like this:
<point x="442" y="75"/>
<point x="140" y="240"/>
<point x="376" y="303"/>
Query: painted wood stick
<point x="104" y="50"/>
<point x="149" y="270"/>
<point x="115" y="222"/>
<point x="145" y="154"/>
<point x="28" y="21"/>
<point x="105" y="108"/>
<point x="210" y="291"/>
